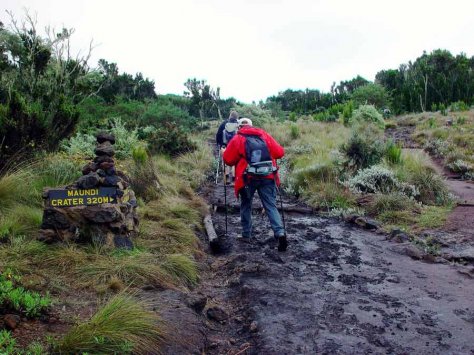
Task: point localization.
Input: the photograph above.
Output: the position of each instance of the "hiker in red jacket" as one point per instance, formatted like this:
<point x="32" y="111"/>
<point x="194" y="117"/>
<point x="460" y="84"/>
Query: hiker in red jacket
<point x="254" y="152"/>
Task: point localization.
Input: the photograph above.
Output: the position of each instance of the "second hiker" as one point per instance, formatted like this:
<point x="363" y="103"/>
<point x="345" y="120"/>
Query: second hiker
<point x="254" y="152"/>
<point x="225" y="133"/>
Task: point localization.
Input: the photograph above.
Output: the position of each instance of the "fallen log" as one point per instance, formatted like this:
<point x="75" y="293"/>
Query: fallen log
<point x="211" y="232"/>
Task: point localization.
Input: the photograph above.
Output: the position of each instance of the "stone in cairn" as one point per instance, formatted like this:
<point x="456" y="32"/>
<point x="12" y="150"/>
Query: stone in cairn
<point x="112" y="224"/>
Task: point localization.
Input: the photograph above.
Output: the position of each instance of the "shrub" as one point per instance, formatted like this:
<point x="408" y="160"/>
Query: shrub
<point x="461" y="120"/>
<point x="7" y="342"/>
<point x="459" y="106"/>
<point x="325" y="116"/>
<point x="368" y="113"/>
<point x="292" y="116"/>
<point x="442" y="109"/>
<point x="394" y="201"/>
<point x="393" y="153"/>
<point x="364" y="148"/>
<point x="301" y="178"/>
<point x="431" y="122"/>
<point x="294" y="131"/>
<point x="347" y="112"/>
<point x="82" y="144"/>
<point x="436" y="147"/>
<point x="15" y="297"/>
<point x="169" y="139"/>
<point x="123" y="325"/>
<point x="378" y="179"/>
<point x="461" y="167"/>
<point x="372" y="94"/>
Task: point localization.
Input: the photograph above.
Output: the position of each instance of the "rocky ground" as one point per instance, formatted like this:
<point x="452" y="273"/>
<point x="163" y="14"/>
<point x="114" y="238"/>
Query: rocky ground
<point x="337" y="290"/>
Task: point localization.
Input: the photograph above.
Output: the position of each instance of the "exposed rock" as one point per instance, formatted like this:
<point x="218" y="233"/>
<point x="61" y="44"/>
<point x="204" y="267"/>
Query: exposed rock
<point x="366" y="223"/>
<point x="398" y="236"/>
<point x="111" y="180"/>
<point x="54" y="219"/>
<point x="413" y="252"/>
<point x="103" y="158"/>
<point x="105" y="137"/>
<point x="102" y="214"/>
<point x="254" y="327"/>
<point x="196" y="302"/>
<point x="106" y="165"/>
<point x="88" y="181"/>
<point x="216" y="313"/>
<point x="122" y="241"/>
<point x="105" y="148"/>
<point x="89" y="168"/>
<point x="11" y="321"/>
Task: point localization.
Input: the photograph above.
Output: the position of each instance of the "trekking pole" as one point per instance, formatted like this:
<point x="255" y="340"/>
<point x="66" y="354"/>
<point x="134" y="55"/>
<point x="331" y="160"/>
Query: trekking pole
<point x="225" y="197"/>
<point x="218" y="164"/>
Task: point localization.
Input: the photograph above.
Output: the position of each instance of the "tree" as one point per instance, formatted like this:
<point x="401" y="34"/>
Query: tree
<point x="205" y="101"/>
<point x="371" y="94"/>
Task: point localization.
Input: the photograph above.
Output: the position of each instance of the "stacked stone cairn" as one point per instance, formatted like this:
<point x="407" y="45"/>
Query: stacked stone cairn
<point x="109" y="224"/>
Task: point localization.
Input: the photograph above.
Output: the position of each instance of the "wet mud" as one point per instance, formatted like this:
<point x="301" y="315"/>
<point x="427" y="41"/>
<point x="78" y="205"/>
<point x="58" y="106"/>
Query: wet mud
<point x="337" y="290"/>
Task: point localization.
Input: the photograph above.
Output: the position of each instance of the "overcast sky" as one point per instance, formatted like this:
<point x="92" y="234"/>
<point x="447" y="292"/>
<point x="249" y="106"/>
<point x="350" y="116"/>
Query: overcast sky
<point x="253" y="49"/>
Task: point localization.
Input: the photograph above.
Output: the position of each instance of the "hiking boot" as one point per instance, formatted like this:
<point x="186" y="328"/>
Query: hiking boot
<point x="282" y="243"/>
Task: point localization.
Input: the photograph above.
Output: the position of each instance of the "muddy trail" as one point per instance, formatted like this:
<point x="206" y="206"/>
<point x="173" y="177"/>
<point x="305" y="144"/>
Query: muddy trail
<point x="337" y="290"/>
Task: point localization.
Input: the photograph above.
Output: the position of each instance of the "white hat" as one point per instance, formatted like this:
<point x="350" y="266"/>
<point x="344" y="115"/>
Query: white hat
<point x="244" y="122"/>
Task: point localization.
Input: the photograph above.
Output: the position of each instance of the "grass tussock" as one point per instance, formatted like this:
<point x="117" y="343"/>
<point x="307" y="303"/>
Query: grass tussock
<point x="123" y="325"/>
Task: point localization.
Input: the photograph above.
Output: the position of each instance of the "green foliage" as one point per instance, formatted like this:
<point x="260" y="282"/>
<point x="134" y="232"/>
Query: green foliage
<point x="368" y="113"/>
<point x="443" y="110"/>
<point x="378" y="179"/>
<point x="461" y="121"/>
<point x="325" y="116"/>
<point x="371" y="94"/>
<point x="139" y="155"/>
<point x="459" y="106"/>
<point x="347" y="112"/>
<point x="7" y="342"/>
<point x="168" y="139"/>
<point x="292" y="116"/>
<point x="294" y="131"/>
<point x="123" y="325"/>
<point x="393" y="153"/>
<point x="364" y="148"/>
<point x="15" y="297"/>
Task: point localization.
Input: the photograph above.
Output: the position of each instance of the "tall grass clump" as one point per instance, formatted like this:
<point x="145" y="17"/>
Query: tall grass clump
<point x="15" y="186"/>
<point x="416" y="170"/>
<point x="182" y="267"/>
<point x="122" y="326"/>
<point x="393" y="153"/>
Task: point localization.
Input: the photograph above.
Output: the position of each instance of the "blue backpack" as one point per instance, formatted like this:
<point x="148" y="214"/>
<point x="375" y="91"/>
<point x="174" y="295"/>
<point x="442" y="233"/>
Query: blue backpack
<point x="258" y="156"/>
<point x="229" y="131"/>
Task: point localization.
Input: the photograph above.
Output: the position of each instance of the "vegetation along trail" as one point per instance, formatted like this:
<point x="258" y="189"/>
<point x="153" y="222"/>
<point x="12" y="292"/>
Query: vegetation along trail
<point x="338" y="289"/>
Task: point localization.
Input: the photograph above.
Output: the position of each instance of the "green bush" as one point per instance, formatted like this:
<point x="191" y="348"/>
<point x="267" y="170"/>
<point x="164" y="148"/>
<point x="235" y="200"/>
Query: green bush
<point x="371" y="94"/>
<point x="393" y="153"/>
<point x="292" y="116"/>
<point x="7" y="343"/>
<point x="443" y="110"/>
<point x="15" y="297"/>
<point x="459" y="106"/>
<point x="368" y="113"/>
<point x="390" y="202"/>
<point x="380" y="180"/>
<point x="294" y="131"/>
<point x="365" y="147"/>
<point x="169" y="139"/>
<point x="347" y="112"/>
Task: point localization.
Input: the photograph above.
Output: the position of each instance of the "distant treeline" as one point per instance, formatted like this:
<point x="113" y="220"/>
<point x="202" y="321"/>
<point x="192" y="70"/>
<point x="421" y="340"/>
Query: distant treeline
<point x="432" y="80"/>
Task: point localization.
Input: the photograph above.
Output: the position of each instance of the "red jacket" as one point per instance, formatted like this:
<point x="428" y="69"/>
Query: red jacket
<point x="235" y="154"/>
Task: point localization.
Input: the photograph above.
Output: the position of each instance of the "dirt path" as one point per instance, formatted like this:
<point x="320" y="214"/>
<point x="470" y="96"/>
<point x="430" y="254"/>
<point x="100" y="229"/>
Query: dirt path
<point x="337" y="290"/>
<point x="461" y="220"/>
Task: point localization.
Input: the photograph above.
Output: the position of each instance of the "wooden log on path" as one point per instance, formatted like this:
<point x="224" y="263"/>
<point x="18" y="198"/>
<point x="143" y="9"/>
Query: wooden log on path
<point x="211" y="232"/>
